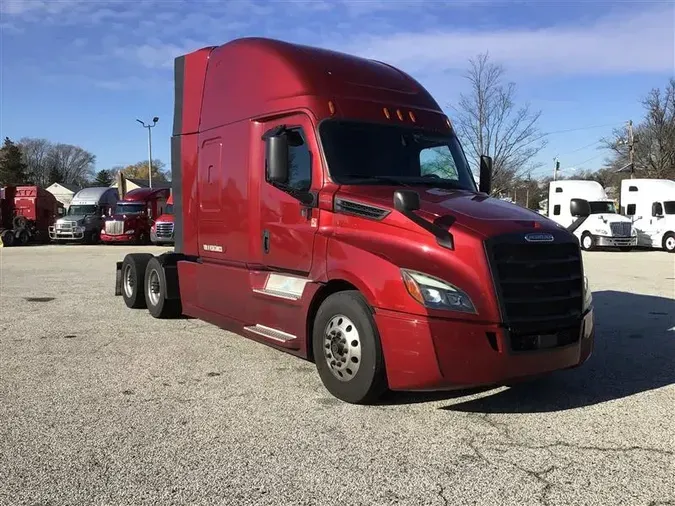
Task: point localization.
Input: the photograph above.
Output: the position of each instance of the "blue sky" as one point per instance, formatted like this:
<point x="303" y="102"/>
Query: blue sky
<point x="82" y="71"/>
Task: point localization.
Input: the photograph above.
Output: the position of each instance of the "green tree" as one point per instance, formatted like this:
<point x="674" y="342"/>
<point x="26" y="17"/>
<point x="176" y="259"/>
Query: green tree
<point x="13" y="169"/>
<point x="139" y="170"/>
<point x="103" y="178"/>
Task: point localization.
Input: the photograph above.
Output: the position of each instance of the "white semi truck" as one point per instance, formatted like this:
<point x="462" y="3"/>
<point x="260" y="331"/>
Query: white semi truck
<point x="650" y="203"/>
<point x="603" y="227"/>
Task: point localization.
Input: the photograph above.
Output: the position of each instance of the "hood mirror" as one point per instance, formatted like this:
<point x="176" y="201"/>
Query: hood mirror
<point x="406" y="201"/>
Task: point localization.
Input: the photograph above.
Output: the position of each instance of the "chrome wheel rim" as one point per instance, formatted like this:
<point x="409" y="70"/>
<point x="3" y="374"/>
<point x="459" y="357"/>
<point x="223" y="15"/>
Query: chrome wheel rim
<point x="153" y="287"/>
<point x="587" y="242"/>
<point x="128" y="282"/>
<point x="342" y="347"/>
<point x="670" y="243"/>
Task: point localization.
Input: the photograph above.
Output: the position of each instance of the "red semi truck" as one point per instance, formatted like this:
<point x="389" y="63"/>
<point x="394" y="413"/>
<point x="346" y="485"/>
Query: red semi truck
<point x="324" y="206"/>
<point x="162" y="229"/>
<point x="134" y="216"/>
<point x="26" y="213"/>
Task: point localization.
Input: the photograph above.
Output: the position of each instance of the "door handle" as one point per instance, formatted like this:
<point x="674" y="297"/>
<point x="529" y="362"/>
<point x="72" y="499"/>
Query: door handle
<point x="266" y="241"/>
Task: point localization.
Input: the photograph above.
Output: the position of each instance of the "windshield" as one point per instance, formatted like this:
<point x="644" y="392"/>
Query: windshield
<point x="669" y="207"/>
<point x="370" y="153"/>
<point x="129" y="208"/>
<point x="168" y="209"/>
<point x="602" y="207"/>
<point x="79" y="210"/>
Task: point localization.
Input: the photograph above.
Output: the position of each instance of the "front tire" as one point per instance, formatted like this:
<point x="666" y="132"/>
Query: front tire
<point x="133" y="279"/>
<point x="587" y="242"/>
<point x="669" y="242"/>
<point x="347" y="349"/>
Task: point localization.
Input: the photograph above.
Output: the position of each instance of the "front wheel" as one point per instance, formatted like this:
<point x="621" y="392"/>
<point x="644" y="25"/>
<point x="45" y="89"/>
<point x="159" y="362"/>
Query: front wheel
<point x="587" y="241"/>
<point x="347" y="349"/>
<point x="669" y="242"/>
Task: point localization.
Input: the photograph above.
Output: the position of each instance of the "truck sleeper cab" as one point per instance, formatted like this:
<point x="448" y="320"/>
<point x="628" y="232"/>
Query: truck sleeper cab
<point x="329" y="211"/>
<point x="134" y="216"/>
<point x="162" y="230"/>
<point x="83" y="221"/>
<point x="650" y="204"/>
<point x="604" y="227"/>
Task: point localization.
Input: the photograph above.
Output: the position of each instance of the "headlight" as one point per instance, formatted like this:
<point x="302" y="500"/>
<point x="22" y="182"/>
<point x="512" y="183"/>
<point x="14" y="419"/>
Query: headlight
<point x="588" y="296"/>
<point x="435" y="293"/>
<point x="79" y="229"/>
<point x="129" y="232"/>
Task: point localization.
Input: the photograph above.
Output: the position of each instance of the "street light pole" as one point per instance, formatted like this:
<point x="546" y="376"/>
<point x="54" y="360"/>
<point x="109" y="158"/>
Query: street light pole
<point x="154" y="122"/>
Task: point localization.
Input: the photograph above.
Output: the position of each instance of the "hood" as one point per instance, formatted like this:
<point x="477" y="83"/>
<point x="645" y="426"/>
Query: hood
<point x="486" y="216"/>
<point x="164" y="218"/>
<point x="127" y="218"/>
<point x="77" y="218"/>
<point x="610" y="217"/>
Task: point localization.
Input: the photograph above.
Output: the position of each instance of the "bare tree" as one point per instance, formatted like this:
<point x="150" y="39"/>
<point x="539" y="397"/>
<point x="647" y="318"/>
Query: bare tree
<point x="489" y="123"/>
<point x="74" y="164"/>
<point x="654" y="136"/>
<point x="36" y="153"/>
<point x="61" y="163"/>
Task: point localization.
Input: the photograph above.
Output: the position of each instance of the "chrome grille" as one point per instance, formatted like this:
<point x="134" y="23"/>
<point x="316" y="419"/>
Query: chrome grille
<point x="114" y="227"/>
<point x="164" y="229"/>
<point x="621" y="229"/>
<point x="65" y="226"/>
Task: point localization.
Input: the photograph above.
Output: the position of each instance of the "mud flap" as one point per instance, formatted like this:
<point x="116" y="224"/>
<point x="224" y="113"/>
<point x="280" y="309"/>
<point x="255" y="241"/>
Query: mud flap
<point x="118" y="278"/>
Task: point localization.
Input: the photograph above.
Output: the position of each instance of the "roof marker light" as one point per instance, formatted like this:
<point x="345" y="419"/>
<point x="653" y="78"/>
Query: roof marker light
<point x="412" y="116"/>
<point x="399" y="114"/>
<point x="386" y="112"/>
<point x="331" y="107"/>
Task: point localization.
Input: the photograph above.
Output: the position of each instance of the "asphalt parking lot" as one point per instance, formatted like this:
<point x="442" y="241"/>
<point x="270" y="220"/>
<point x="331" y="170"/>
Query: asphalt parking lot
<point x="102" y="405"/>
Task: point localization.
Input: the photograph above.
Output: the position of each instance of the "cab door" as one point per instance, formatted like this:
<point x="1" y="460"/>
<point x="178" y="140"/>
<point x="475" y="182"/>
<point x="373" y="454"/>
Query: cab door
<point x="288" y="227"/>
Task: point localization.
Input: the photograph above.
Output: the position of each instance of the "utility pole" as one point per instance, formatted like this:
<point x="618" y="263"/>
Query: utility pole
<point x="154" y="122"/>
<point x="631" y="149"/>
<point x="556" y="168"/>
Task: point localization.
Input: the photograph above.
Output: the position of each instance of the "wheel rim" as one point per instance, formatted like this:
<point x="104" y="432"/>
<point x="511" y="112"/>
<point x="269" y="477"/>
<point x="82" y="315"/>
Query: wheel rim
<point x="128" y="282"/>
<point x="153" y="287"/>
<point x="670" y="243"/>
<point x="587" y="242"/>
<point x="342" y="347"/>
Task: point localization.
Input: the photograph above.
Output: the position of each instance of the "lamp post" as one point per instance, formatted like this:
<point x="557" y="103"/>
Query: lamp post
<point x="154" y="122"/>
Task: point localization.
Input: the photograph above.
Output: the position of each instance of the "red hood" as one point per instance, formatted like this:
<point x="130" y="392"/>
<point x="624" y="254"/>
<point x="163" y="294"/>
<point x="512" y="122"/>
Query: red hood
<point x="164" y="218"/>
<point x="485" y="216"/>
<point x="128" y="218"/>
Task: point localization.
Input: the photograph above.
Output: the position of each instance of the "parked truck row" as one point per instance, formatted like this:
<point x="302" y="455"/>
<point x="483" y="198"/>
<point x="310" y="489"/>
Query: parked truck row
<point x="95" y="215"/>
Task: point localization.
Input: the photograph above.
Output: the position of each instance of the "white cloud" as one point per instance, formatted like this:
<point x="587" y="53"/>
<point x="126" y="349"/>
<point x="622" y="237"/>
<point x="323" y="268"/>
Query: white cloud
<point x="635" y="42"/>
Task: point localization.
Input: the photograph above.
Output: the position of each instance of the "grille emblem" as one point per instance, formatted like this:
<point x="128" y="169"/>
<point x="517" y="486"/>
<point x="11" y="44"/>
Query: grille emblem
<point x="541" y="237"/>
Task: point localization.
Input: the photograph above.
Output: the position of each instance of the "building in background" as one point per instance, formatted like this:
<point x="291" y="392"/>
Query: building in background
<point x="63" y="193"/>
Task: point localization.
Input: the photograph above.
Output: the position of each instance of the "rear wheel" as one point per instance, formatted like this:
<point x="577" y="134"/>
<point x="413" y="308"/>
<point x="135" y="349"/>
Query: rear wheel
<point x="22" y="237"/>
<point x="669" y="242"/>
<point x="156" y="292"/>
<point x="7" y="237"/>
<point x="133" y="279"/>
<point x="347" y="349"/>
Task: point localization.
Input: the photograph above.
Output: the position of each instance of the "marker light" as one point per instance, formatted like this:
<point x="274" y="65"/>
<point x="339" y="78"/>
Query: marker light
<point x="412" y="116"/>
<point x="386" y="112"/>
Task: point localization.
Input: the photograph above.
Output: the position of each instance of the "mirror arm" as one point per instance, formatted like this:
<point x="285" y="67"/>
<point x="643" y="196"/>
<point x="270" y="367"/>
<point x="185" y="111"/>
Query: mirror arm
<point x="443" y="237"/>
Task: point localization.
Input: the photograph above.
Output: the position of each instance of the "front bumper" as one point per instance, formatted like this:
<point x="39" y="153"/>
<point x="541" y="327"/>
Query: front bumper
<point x="161" y="239"/>
<point x="123" y="238"/>
<point x="614" y="242"/>
<point x="65" y="234"/>
<point x="436" y="354"/>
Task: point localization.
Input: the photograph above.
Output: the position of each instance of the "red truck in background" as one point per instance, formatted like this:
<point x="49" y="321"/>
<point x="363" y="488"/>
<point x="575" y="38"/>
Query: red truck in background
<point x="324" y="206"/>
<point x="26" y="213"/>
<point x="134" y="216"/>
<point x="162" y="229"/>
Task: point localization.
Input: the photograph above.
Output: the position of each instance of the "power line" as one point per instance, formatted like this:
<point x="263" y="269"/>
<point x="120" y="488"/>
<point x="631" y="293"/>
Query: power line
<point x="579" y="129"/>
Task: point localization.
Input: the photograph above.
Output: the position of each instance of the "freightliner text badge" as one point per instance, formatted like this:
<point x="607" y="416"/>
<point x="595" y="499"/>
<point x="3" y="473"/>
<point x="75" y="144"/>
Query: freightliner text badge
<point x="540" y="237"/>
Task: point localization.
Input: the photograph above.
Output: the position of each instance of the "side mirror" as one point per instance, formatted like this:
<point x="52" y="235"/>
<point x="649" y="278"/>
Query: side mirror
<point x="580" y="208"/>
<point x="657" y="209"/>
<point x="276" y="170"/>
<point x="485" y="184"/>
<point x="406" y="200"/>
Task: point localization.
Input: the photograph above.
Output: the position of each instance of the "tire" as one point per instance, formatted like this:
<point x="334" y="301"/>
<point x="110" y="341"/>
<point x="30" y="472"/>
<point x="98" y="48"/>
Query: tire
<point x="7" y="238"/>
<point x="133" y="279"/>
<point x="155" y="291"/>
<point x="22" y="237"/>
<point x="19" y="222"/>
<point x="348" y="313"/>
<point x="587" y="242"/>
<point x="669" y="242"/>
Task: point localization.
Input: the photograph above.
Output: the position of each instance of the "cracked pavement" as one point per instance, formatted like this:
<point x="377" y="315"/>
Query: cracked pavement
<point x="102" y="405"/>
